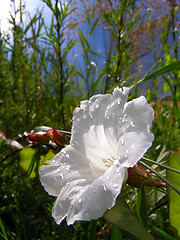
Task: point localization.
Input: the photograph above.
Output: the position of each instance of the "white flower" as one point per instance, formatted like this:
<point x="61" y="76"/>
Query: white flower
<point x="109" y="135"/>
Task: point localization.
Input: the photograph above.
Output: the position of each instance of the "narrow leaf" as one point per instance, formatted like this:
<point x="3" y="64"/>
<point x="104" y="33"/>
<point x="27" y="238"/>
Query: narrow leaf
<point x="174" y="198"/>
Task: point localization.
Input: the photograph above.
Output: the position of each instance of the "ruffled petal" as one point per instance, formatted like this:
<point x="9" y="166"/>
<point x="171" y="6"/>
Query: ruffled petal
<point x="95" y="130"/>
<point x="84" y="200"/>
<point x="132" y="147"/>
<point x="67" y="166"/>
<point x="135" y="136"/>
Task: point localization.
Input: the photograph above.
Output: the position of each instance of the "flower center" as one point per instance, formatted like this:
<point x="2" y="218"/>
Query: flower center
<point x="109" y="161"/>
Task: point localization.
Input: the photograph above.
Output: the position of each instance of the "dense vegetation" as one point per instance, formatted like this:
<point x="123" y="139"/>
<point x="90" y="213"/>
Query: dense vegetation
<point x="47" y="66"/>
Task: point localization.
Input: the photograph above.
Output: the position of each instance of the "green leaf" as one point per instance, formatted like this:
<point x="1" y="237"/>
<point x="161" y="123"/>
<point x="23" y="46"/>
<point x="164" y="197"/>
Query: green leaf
<point x="49" y="156"/>
<point x="3" y="234"/>
<point x="116" y="233"/>
<point x="30" y="160"/>
<point x="174" y="198"/>
<point x="141" y="206"/>
<point x="122" y="217"/>
<point x="171" y="67"/>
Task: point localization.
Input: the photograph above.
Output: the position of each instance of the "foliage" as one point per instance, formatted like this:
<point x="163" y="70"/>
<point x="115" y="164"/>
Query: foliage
<point x="87" y="47"/>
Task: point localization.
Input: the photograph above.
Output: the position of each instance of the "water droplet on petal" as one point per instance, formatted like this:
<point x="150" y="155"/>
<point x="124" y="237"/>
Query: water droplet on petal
<point x="125" y="155"/>
<point x="132" y="146"/>
<point x="132" y="124"/>
<point x="122" y="141"/>
<point x="108" y="107"/>
<point x="118" y="101"/>
<point x="80" y="200"/>
<point x="61" y="175"/>
<point x="116" y="162"/>
<point x="108" y="178"/>
<point x="97" y="105"/>
<point x="104" y="187"/>
<point x="94" y="190"/>
<point x="115" y="185"/>
<point x="67" y="168"/>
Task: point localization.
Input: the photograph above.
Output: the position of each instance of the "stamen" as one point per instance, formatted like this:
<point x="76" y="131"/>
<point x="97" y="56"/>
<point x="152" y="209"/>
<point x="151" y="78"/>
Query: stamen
<point x="108" y="161"/>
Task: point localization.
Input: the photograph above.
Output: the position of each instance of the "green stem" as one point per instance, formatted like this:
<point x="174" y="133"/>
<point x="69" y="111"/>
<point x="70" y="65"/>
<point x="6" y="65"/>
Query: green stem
<point x="161" y="165"/>
<point x="161" y="177"/>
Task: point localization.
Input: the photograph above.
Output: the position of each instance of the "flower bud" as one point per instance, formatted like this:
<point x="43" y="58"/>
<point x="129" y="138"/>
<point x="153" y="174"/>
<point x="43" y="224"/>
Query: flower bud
<point x="39" y="137"/>
<point x="56" y="136"/>
<point x="137" y="176"/>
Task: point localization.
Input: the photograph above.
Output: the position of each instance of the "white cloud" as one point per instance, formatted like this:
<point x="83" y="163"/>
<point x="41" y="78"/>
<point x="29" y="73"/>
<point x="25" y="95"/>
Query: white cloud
<point x="5" y="9"/>
<point x="4" y="14"/>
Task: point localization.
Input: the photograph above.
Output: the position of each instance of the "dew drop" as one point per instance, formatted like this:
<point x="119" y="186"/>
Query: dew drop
<point x="118" y="101"/>
<point x="132" y="124"/>
<point x="108" y="107"/>
<point x="108" y="178"/>
<point x="97" y="105"/>
<point x="115" y="185"/>
<point x="122" y="141"/>
<point x="116" y="162"/>
<point x="61" y="175"/>
<point x="112" y="105"/>
<point x="94" y="191"/>
<point x="125" y="155"/>
<point x="132" y="146"/>
<point x="67" y="155"/>
<point x="117" y="170"/>
<point x="80" y="200"/>
<point x="104" y="187"/>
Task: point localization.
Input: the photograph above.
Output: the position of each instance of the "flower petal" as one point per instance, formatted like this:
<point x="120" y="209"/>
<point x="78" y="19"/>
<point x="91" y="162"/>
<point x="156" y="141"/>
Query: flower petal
<point x="135" y="137"/>
<point x="95" y="129"/>
<point x="66" y="166"/>
<point x="80" y="202"/>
